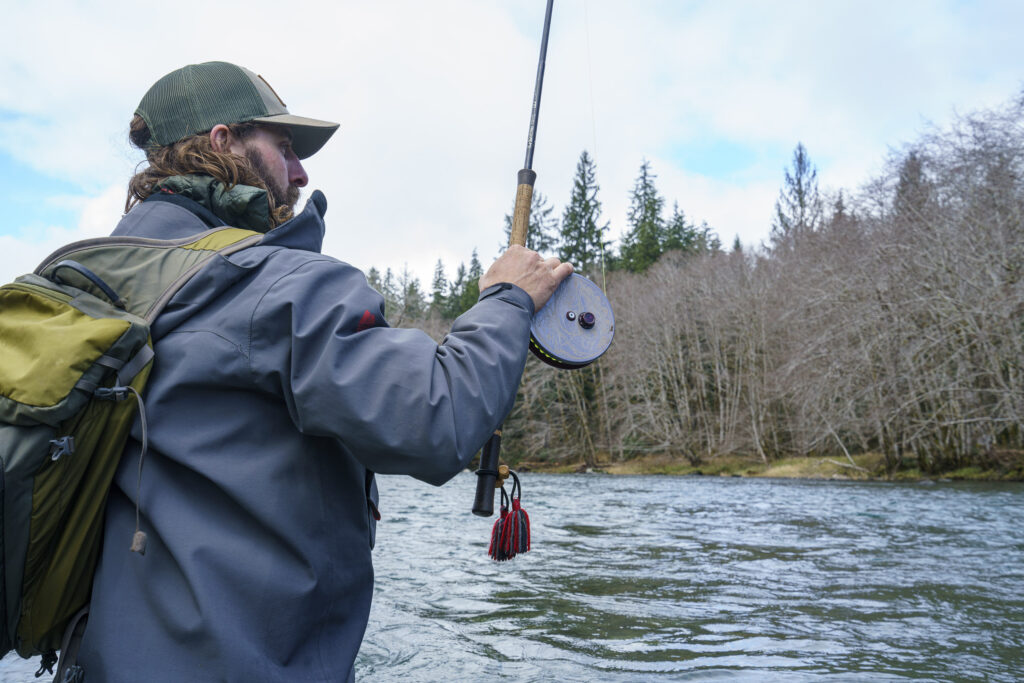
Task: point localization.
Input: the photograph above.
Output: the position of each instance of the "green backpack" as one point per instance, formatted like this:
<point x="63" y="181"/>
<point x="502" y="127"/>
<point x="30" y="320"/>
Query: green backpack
<point x="75" y="353"/>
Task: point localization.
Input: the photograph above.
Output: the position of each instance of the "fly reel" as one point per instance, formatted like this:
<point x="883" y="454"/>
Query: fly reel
<point x="575" y="327"/>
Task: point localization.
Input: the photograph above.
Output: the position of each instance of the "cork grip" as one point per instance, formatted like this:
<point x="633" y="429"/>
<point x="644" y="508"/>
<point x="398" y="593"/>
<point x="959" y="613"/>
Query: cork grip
<point x="521" y="212"/>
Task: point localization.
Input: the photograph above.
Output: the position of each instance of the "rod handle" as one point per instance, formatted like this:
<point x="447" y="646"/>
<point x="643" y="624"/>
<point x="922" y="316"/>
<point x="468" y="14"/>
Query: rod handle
<point x="521" y="212"/>
<point x="487" y="475"/>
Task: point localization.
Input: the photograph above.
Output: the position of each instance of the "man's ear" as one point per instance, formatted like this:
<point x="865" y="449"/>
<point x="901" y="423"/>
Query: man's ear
<point x="221" y="138"/>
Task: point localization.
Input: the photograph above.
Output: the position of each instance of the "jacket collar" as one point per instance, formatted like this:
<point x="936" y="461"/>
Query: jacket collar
<point x="185" y="217"/>
<point x="306" y="230"/>
<point x="241" y="206"/>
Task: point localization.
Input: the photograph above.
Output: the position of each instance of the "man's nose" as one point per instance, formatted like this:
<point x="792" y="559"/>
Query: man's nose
<point x="296" y="174"/>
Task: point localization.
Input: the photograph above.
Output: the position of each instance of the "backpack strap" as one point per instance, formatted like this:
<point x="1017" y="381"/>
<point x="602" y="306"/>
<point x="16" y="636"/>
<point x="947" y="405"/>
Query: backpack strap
<point x="68" y="670"/>
<point x="134" y="365"/>
<point x="144" y="274"/>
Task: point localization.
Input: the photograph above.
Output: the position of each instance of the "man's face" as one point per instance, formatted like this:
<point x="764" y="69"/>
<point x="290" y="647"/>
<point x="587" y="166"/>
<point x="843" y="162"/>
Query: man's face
<point x="269" y="150"/>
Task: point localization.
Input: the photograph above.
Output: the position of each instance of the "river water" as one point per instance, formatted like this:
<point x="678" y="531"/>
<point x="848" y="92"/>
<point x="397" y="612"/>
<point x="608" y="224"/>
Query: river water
<point x="699" y="578"/>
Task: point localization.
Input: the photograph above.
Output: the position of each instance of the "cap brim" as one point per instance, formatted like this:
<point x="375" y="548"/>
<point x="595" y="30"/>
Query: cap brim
<point x="308" y="135"/>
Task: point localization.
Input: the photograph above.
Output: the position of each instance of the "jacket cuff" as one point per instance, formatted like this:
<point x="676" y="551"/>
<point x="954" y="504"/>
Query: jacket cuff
<point x="506" y="291"/>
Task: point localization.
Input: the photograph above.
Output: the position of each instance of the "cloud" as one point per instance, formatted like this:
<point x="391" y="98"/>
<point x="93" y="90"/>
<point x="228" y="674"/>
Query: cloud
<point x="434" y="99"/>
<point x="21" y="253"/>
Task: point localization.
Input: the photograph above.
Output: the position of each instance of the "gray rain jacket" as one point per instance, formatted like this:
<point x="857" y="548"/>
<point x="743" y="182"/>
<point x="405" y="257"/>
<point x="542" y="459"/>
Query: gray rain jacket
<point x="277" y="391"/>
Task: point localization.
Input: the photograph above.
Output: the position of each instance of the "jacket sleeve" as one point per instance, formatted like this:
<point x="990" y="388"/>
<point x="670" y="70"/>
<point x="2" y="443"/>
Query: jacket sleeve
<point x="394" y="398"/>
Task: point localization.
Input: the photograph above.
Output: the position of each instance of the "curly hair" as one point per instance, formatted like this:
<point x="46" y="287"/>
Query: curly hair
<point x="195" y="155"/>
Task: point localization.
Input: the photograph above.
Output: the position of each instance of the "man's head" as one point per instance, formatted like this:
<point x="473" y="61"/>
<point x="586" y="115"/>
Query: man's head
<point x="223" y="120"/>
<point x="269" y="150"/>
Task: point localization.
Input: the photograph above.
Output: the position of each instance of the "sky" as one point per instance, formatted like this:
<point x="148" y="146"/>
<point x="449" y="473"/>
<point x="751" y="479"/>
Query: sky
<point x="434" y="101"/>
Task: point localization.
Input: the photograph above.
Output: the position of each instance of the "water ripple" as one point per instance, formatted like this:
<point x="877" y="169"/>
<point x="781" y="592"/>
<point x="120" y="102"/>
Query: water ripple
<point x="704" y="578"/>
<point x="701" y="578"/>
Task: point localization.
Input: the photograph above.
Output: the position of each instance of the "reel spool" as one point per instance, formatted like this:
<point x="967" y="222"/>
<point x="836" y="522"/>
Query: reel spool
<point x="575" y="327"/>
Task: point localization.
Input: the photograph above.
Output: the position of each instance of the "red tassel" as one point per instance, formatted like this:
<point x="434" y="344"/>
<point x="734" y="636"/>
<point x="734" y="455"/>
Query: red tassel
<point x="511" y="532"/>
<point x="494" y="550"/>
<point x="524" y="519"/>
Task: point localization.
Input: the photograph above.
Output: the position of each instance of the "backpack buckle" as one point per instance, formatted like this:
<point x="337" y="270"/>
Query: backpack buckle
<point x="112" y="393"/>
<point x="62" y="446"/>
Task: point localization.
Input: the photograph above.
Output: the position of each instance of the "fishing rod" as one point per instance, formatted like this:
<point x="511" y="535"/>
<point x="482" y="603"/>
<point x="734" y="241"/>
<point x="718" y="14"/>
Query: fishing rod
<point x="573" y="329"/>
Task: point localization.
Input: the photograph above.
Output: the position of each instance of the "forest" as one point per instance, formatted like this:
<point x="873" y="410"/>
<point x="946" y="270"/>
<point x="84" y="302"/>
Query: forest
<point x="886" y="319"/>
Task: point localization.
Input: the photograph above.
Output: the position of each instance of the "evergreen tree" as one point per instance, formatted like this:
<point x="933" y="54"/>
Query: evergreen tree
<point x="542" y="233"/>
<point x="471" y="291"/>
<point x="453" y="304"/>
<point x="411" y="301"/>
<point x="707" y="239"/>
<point x="392" y="296"/>
<point x="680" y="235"/>
<point x="912" y="190"/>
<point x="373" y="279"/>
<point x="841" y="219"/>
<point x="437" y="290"/>
<point x="581" y="238"/>
<point x="798" y="209"/>
<point x="641" y="246"/>
<point x="839" y="212"/>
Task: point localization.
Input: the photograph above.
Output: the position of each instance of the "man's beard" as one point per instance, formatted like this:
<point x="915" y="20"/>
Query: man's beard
<point x="283" y="196"/>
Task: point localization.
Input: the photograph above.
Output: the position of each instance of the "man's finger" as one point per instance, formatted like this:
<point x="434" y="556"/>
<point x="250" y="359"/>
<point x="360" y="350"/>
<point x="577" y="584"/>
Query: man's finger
<point x="563" y="271"/>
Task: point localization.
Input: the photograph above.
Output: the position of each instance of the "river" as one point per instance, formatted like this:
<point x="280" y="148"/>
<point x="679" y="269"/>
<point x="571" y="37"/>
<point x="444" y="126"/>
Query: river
<point x="698" y="578"/>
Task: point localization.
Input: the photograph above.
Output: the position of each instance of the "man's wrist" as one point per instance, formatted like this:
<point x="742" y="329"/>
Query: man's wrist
<point x="506" y="291"/>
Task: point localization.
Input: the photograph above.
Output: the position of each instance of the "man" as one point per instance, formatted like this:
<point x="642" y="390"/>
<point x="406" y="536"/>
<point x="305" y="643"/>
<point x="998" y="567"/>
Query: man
<point x="276" y="393"/>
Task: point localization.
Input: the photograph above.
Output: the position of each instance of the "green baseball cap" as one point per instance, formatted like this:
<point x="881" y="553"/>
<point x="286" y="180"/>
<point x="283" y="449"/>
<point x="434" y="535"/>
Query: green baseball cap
<point x="197" y="97"/>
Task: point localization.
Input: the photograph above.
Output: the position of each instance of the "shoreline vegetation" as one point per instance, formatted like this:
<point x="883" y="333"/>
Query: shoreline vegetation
<point x="1002" y="466"/>
<point x="877" y="334"/>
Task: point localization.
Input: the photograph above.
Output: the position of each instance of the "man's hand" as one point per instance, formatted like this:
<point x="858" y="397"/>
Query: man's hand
<point x="528" y="270"/>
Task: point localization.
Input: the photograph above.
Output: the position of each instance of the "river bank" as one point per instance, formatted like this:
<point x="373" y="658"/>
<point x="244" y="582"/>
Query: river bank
<point x="1005" y="466"/>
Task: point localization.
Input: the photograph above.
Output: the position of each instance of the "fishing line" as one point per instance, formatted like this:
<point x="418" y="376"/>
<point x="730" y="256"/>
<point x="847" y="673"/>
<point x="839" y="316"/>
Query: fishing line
<point x="593" y="119"/>
<point x="590" y="75"/>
